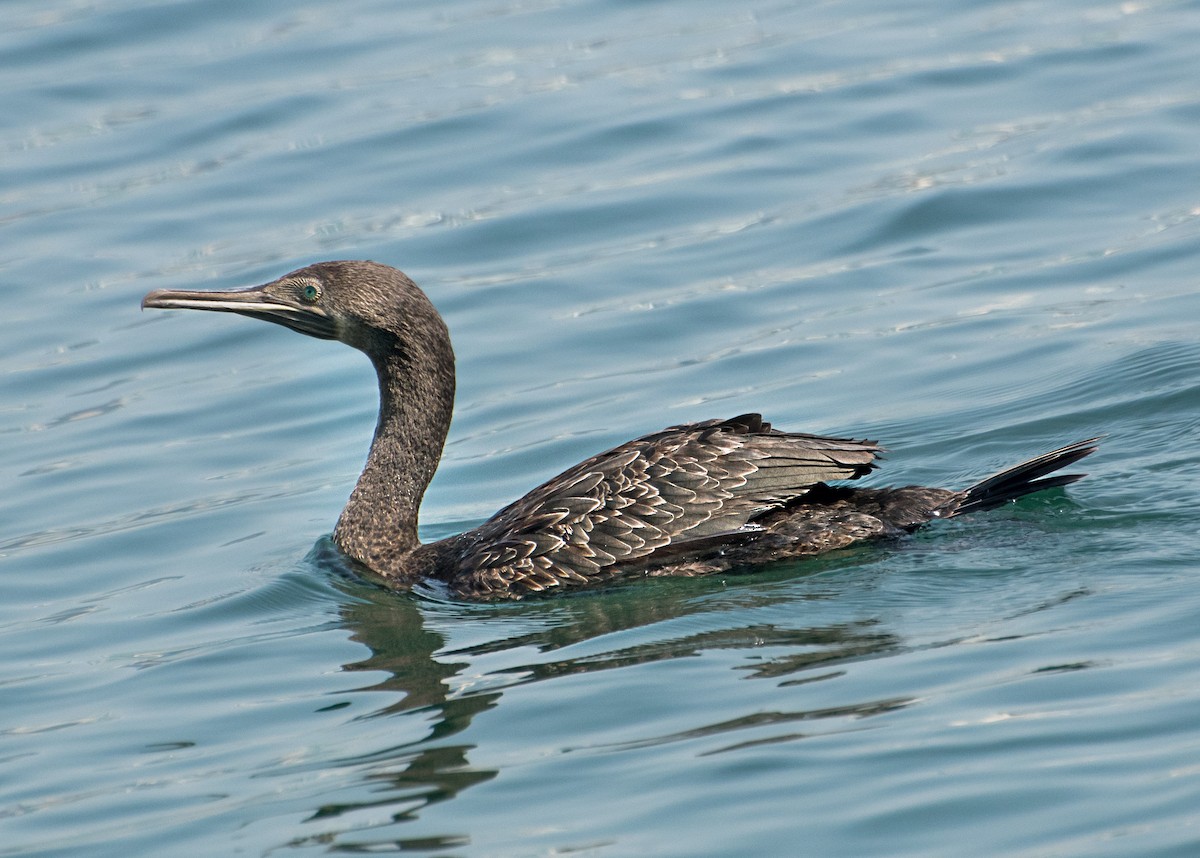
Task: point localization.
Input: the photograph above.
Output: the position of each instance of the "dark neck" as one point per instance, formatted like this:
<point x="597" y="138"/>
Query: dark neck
<point x="378" y="527"/>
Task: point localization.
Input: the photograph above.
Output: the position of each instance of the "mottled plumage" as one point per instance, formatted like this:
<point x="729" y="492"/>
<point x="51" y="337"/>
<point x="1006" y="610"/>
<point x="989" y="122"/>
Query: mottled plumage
<point x="690" y="500"/>
<point x="679" y="493"/>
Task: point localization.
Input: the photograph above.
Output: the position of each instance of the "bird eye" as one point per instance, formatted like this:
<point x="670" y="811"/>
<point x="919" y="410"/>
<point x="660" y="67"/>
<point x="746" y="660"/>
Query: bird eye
<point x="311" y="293"/>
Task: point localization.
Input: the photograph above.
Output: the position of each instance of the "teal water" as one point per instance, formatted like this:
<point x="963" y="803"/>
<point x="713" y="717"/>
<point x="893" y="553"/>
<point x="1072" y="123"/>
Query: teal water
<point x="972" y="232"/>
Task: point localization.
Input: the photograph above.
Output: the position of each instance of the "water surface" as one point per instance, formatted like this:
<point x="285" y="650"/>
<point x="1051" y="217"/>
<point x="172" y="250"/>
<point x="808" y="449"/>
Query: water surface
<point x="970" y="232"/>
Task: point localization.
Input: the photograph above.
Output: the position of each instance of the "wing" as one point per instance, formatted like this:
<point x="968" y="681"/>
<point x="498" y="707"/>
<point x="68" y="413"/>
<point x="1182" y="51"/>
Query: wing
<point x="702" y="482"/>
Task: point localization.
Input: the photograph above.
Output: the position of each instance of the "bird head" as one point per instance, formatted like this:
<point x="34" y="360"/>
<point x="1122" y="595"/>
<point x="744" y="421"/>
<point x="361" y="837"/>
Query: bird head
<point x="372" y="307"/>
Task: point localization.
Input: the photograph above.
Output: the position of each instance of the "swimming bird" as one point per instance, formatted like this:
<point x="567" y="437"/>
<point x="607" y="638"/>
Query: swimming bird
<point x="693" y="499"/>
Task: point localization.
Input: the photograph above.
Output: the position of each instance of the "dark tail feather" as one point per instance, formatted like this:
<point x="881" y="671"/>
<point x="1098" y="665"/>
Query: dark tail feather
<point x="1020" y="480"/>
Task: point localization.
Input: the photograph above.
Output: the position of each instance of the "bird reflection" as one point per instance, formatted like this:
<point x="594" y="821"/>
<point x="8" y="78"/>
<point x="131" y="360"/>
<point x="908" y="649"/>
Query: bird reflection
<point x="449" y="686"/>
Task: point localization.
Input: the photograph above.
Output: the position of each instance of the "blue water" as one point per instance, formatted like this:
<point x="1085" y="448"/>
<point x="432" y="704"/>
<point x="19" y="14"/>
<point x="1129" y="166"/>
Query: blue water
<point x="971" y="231"/>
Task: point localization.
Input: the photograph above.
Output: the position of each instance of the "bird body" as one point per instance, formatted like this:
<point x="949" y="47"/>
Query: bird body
<point x="693" y="499"/>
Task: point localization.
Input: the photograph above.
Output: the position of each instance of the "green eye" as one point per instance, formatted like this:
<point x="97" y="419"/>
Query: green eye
<point x="311" y="293"/>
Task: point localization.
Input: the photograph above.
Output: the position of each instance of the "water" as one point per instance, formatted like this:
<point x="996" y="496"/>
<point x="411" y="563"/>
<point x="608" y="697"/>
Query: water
<point x="968" y="231"/>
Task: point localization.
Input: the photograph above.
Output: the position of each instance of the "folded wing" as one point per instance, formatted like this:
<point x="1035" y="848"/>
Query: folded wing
<point x="697" y="484"/>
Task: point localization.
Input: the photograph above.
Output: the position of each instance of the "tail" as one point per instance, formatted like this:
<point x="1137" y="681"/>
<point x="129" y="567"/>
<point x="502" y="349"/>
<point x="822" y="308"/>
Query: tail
<point x="1019" y="480"/>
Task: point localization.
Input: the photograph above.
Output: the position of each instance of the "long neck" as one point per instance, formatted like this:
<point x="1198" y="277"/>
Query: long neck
<point x="378" y="527"/>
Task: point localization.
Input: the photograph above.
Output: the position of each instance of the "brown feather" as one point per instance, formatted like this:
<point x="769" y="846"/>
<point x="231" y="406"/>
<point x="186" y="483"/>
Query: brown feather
<point x="697" y="484"/>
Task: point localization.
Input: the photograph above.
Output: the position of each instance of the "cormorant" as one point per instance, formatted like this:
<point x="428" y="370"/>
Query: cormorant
<point x="692" y="499"/>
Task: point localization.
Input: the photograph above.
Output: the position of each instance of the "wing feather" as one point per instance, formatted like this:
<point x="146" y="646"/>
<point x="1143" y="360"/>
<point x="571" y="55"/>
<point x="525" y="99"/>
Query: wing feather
<point x="681" y="490"/>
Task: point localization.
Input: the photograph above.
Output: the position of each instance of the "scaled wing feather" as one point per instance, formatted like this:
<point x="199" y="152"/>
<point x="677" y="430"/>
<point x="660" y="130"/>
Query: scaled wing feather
<point x="689" y="485"/>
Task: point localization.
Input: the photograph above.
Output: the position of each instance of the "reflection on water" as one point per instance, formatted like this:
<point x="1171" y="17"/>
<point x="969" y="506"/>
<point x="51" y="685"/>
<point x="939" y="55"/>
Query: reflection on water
<point x="432" y="681"/>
